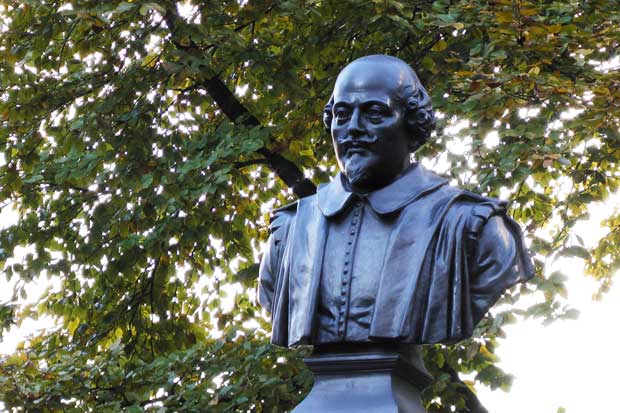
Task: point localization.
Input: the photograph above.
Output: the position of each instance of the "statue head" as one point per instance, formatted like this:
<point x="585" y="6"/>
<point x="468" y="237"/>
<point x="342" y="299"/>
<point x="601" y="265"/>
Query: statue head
<point x="379" y="113"/>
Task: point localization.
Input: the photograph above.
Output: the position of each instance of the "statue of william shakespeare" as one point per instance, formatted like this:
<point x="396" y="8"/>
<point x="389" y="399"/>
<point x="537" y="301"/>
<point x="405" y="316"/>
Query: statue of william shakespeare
<point x="386" y="255"/>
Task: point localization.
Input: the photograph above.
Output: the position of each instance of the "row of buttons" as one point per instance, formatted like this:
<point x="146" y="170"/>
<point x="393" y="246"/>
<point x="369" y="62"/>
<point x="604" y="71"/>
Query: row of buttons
<point x="346" y="271"/>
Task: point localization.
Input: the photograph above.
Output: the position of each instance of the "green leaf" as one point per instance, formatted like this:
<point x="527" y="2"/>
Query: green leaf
<point x="124" y="7"/>
<point x="151" y="6"/>
<point x="576" y="251"/>
<point x="77" y="124"/>
<point x="147" y="180"/>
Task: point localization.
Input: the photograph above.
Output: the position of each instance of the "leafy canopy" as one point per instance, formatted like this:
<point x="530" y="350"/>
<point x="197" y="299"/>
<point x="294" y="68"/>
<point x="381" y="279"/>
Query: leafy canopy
<point x="142" y="144"/>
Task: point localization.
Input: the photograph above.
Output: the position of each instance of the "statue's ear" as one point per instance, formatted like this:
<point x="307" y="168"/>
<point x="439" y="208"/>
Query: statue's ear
<point x="412" y="121"/>
<point x="328" y="115"/>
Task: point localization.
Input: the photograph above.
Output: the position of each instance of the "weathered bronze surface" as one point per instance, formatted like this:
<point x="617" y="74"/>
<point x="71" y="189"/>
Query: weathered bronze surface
<point x="371" y="380"/>
<point x="387" y="252"/>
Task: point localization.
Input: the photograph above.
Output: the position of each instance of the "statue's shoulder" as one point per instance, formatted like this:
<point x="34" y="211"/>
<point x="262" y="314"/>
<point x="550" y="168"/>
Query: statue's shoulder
<point x="481" y="210"/>
<point x="480" y="201"/>
<point x="456" y="198"/>
<point x="478" y="209"/>
<point x="282" y="217"/>
<point x="286" y="209"/>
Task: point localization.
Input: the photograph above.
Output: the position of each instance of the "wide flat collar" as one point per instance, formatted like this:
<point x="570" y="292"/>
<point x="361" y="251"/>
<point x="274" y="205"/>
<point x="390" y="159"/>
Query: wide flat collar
<point x="414" y="183"/>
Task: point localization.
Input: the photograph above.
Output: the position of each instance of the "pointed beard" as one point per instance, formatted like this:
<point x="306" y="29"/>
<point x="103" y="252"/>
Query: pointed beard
<point x="359" y="174"/>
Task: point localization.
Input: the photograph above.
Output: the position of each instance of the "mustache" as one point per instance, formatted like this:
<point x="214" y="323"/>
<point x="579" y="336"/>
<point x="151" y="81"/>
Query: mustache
<point x="351" y="142"/>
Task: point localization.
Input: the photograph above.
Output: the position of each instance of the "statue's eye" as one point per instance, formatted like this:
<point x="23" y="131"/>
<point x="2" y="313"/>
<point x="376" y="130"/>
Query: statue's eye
<point x="341" y="113"/>
<point x="375" y="114"/>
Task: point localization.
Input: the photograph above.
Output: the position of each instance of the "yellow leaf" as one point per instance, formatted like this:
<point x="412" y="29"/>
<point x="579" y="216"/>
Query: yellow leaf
<point x="538" y="30"/>
<point x="584" y="52"/>
<point x="534" y="70"/>
<point x="600" y="90"/>
<point x="529" y="12"/>
<point x="504" y="17"/>
<point x="295" y="146"/>
<point x="439" y="46"/>
<point x="458" y="26"/>
<point x="484" y="351"/>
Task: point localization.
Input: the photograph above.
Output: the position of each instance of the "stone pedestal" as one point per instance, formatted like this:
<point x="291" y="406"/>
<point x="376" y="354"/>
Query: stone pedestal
<point x="365" y="381"/>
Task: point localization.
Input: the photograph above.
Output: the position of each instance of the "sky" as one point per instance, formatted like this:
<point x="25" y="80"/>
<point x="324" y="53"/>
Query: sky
<point x="570" y="363"/>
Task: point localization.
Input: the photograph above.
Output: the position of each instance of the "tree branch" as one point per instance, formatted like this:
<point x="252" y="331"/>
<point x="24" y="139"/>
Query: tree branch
<point x="472" y="404"/>
<point x="250" y="162"/>
<point x="228" y="103"/>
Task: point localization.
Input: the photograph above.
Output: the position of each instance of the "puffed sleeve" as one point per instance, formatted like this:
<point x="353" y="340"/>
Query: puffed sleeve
<point x="272" y="258"/>
<point x="500" y="259"/>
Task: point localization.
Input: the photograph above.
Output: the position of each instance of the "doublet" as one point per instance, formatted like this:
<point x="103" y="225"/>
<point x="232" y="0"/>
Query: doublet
<point x="354" y="250"/>
<point x="417" y="261"/>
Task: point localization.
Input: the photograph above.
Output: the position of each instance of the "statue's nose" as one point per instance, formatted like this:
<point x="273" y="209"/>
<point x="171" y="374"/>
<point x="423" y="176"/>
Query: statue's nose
<point x="355" y="124"/>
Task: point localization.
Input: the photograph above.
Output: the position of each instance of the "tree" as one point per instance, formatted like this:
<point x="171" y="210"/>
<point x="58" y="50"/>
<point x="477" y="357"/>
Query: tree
<point x="144" y="142"/>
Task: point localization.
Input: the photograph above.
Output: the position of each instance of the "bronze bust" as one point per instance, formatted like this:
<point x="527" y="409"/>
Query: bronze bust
<point x="387" y="252"/>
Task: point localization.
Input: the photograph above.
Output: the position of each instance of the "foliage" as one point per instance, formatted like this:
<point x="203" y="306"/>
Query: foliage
<point x="143" y="187"/>
<point x="226" y="375"/>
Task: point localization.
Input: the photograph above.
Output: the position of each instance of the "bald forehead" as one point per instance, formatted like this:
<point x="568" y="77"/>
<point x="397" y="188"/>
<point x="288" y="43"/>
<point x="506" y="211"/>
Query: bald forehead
<point x="373" y="75"/>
